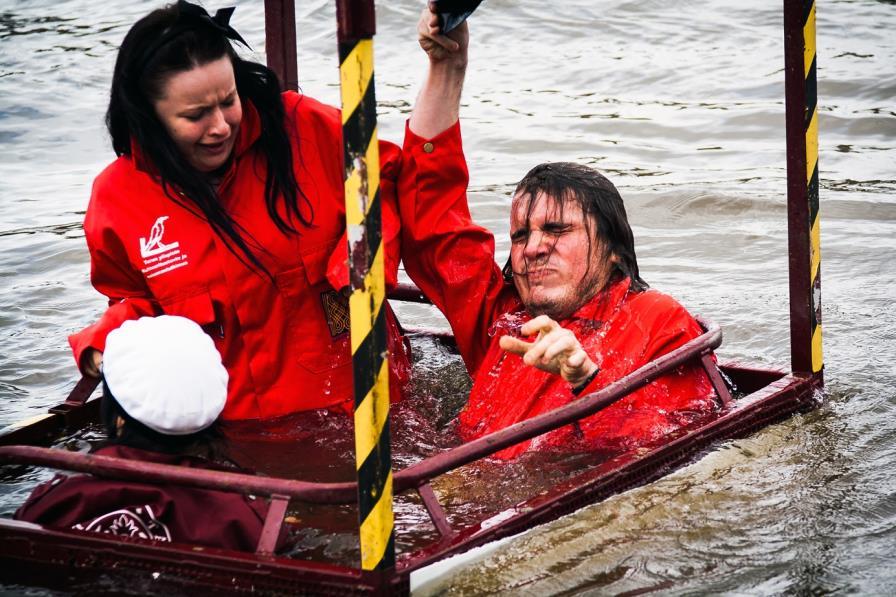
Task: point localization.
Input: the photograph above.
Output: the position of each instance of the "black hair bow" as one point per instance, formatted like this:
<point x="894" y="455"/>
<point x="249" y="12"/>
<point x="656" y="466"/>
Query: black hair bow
<point x="220" y="22"/>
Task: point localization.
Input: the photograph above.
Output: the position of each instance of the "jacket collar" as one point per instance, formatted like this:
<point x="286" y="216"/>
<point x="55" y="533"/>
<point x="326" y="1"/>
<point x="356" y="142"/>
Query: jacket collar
<point x="593" y="313"/>
<point x="605" y="303"/>
<point x="250" y="129"/>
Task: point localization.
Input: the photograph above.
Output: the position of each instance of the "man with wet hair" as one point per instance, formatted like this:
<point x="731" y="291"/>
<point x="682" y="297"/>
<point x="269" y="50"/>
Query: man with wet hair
<point x="568" y="315"/>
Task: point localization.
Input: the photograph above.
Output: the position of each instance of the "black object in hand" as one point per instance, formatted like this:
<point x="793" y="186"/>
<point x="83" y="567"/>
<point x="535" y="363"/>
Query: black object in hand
<point x="454" y="12"/>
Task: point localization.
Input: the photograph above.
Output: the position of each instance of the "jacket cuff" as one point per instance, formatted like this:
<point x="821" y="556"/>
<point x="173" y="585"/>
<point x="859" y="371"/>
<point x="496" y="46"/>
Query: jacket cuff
<point x="447" y="142"/>
<point x="89" y="337"/>
<point x="94" y="336"/>
<point x="580" y="389"/>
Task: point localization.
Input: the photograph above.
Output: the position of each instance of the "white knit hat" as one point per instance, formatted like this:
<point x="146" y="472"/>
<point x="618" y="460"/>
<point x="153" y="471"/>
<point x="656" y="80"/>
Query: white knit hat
<point x="166" y="373"/>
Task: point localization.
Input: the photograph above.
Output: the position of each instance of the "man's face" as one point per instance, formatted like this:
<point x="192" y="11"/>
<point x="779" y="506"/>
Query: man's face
<point x="550" y="255"/>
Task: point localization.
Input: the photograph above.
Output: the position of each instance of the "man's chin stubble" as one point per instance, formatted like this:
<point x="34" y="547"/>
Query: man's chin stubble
<point x="565" y="306"/>
<point x="556" y="310"/>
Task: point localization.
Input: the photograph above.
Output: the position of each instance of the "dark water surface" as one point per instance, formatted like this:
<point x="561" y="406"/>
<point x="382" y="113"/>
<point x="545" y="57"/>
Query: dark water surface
<point x="679" y="103"/>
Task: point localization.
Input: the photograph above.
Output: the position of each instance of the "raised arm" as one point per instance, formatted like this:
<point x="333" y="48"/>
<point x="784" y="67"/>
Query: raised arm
<point x="438" y="104"/>
<point x="444" y="252"/>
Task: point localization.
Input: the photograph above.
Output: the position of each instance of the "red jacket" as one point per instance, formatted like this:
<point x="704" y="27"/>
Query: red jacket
<point x="452" y="260"/>
<point x="620" y="330"/>
<point x="158" y="512"/>
<point x="285" y="344"/>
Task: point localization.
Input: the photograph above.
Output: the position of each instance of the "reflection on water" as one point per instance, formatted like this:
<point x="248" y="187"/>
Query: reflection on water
<point x="681" y="104"/>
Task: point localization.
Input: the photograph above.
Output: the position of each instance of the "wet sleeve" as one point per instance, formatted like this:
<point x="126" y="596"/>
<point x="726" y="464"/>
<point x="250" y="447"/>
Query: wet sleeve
<point x="674" y="328"/>
<point x="112" y="274"/>
<point x="445" y="253"/>
<point x="686" y="388"/>
<point x="664" y="405"/>
<point x="35" y="506"/>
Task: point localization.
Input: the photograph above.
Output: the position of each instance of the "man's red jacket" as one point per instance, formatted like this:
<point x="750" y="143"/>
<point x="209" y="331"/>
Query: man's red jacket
<point x="453" y="261"/>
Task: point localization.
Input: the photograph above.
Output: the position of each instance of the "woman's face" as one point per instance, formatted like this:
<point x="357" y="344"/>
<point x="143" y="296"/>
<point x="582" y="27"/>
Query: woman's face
<point x="201" y="111"/>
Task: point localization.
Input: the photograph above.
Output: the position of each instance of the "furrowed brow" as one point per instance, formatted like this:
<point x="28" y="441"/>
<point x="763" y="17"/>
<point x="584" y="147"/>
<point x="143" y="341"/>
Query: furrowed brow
<point x="521" y="232"/>
<point x="558" y="226"/>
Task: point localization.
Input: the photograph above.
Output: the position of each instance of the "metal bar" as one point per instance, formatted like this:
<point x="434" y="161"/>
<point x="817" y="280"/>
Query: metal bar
<point x="355" y="19"/>
<point x="434" y="509"/>
<point x="76" y="411"/>
<point x="78" y="396"/>
<point x="715" y="378"/>
<point x="367" y="303"/>
<point x="410" y="478"/>
<point x="151" y="472"/>
<point x="802" y="187"/>
<point x="40" y="554"/>
<point x="33" y="554"/>
<point x="409" y="294"/>
<point x="583" y="407"/>
<point x="636" y="467"/>
<point x="280" y="41"/>
<point x="273" y="522"/>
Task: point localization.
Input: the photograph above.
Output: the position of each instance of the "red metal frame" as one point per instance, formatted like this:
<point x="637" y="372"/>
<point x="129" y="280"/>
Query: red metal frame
<point x="26" y="548"/>
<point x="798" y="223"/>
<point x="44" y="556"/>
<point x="410" y="478"/>
<point x="25" y="545"/>
<point x="280" y="36"/>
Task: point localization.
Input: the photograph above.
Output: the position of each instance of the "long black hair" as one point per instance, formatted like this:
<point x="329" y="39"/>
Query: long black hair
<point x="178" y="38"/>
<point x="599" y="201"/>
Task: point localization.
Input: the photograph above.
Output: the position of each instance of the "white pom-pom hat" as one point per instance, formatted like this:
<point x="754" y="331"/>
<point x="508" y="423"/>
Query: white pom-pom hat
<point x="166" y="373"/>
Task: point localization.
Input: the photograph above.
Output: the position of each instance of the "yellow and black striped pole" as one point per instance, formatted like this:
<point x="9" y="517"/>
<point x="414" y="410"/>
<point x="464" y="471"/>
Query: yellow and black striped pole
<point x="366" y="273"/>
<point x="802" y="187"/>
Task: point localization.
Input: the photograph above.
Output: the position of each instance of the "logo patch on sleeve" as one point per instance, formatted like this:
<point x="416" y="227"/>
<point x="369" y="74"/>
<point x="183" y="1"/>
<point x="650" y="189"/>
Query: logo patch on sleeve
<point x="336" y="309"/>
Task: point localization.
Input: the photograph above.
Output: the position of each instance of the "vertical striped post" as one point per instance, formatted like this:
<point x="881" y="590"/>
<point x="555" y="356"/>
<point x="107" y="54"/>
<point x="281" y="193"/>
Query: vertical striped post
<point x="802" y="187"/>
<point x="367" y="277"/>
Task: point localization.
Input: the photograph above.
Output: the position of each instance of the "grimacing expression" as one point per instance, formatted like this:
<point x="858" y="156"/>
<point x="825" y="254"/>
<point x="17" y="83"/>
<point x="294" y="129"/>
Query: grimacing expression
<point x="201" y="111"/>
<point x="557" y="268"/>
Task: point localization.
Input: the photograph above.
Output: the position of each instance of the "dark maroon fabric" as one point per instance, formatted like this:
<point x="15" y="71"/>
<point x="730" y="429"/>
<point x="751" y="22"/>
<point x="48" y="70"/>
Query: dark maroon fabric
<point x="158" y="512"/>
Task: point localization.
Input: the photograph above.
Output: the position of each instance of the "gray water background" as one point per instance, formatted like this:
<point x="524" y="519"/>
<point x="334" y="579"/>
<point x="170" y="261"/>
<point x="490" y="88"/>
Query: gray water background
<point x="681" y="105"/>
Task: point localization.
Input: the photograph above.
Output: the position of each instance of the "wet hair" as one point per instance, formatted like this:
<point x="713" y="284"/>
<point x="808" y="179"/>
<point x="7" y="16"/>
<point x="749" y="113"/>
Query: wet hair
<point x="208" y="443"/>
<point x="600" y="203"/>
<point x="175" y="39"/>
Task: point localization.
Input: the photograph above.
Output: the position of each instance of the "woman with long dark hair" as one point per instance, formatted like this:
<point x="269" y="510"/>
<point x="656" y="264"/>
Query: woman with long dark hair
<point x="225" y="206"/>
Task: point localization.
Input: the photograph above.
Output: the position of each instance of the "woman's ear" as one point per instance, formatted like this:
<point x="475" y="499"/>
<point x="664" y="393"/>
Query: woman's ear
<point x="119" y="426"/>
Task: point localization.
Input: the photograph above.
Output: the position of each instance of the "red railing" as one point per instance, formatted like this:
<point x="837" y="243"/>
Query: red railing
<point x="415" y="477"/>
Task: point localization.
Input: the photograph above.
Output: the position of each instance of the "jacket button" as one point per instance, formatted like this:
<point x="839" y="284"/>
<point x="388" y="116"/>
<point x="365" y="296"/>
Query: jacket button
<point x="428" y="147"/>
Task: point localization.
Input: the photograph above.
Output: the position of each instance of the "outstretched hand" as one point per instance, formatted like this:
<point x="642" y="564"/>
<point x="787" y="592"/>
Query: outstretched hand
<point x="555" y="350"/>
<point x="442" y="48"/>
